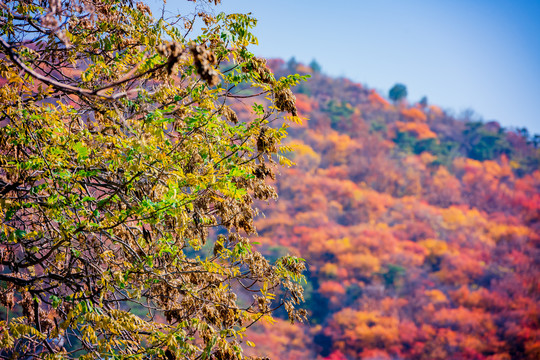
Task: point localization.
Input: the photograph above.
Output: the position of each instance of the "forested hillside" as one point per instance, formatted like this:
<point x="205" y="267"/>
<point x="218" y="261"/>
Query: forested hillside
<point x="421" y="230"/>
<point x="137" y="151"/>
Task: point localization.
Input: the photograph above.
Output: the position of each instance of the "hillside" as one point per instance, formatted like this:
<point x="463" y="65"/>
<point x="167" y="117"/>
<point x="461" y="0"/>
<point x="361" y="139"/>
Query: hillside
<point x="421" y="230"/>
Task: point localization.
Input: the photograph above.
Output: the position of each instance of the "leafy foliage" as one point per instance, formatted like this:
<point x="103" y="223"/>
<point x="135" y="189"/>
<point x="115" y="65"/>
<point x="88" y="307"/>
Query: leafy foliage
<point x="397" y="92"/>
<point x="421" y="230"/>
<point x="128" y="182"/>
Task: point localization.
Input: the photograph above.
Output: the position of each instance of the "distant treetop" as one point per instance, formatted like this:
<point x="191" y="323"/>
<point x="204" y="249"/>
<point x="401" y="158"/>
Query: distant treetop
<point x="397" y="92"/>
<point x="314" y="65"/>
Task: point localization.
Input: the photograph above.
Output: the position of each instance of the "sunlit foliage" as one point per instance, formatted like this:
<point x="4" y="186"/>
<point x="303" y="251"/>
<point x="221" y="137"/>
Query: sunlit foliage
<point x="128" y="183"/>
<point x="421" y="231"/>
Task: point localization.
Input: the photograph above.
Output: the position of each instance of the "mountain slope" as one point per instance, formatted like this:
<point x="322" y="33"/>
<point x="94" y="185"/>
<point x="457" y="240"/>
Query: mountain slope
<point x="421" y="230"/>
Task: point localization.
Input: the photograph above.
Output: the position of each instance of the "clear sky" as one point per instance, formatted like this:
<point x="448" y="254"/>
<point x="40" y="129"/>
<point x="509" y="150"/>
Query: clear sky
<point x="462" y="54"/>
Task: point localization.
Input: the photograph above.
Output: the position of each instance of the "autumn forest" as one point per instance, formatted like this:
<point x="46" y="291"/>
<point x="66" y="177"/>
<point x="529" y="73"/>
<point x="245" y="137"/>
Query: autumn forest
<point x="421" y="231"/>
<point x="166" y="194"/>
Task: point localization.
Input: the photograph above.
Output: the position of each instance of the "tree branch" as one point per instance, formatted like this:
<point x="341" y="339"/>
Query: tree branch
<point x="73" y="89"/>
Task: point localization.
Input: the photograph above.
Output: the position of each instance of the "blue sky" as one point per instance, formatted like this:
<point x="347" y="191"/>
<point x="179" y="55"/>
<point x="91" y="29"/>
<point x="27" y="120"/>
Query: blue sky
<point x="462" y="54"/>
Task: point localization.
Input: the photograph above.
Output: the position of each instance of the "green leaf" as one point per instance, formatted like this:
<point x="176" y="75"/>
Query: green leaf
<point x="82" y="151"/>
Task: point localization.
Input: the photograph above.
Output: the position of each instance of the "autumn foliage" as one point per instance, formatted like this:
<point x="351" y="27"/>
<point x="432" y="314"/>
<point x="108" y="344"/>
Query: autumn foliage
<point x="421" y="231"/>
<point x="129" y="187"/>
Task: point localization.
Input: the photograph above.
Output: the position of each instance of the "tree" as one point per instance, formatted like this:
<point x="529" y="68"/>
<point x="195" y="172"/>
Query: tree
<point x="315" y="66"/>
<point x="292" y="64"/>
<point x="128" y="184"/>
<point x="397" y="93"/>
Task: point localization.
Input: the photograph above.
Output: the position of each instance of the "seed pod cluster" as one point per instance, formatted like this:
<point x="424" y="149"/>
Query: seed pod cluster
<point x="173" y="51"/>
<point x="286" y="101"/>
<point x="142" y="7"/>
<point x="204" y="60"/>
<point x="258" y="66"/>
<point x="265" y="142"/>
<point x="229" y="114"/>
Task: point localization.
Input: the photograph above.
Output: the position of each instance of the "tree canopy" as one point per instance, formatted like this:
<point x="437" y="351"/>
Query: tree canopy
<point x="398" y="92"/>
<point x="129" y="186"/>
<point x="421" y="230"/>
